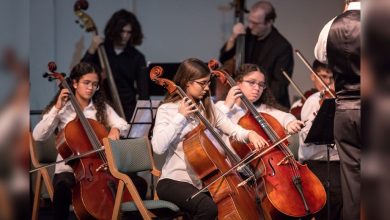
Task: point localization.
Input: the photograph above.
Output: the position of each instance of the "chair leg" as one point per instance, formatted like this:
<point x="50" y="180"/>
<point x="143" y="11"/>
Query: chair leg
<point x="37" y="192"/>
<point x="118" y="200"/>
<point x="48" y="183"/>
<point x="146" y="214"/>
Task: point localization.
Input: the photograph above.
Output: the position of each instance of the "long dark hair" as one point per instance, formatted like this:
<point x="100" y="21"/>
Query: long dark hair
<point x="267" y="97"/>
<point x="189" y="70"/>
<point x="117" y="21"/>
<point x="98" y="98"/>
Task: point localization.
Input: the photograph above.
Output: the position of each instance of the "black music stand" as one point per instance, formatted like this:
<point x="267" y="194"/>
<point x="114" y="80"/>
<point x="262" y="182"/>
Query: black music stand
<point x="321" y="133"/>
<point x="143" y="118"/>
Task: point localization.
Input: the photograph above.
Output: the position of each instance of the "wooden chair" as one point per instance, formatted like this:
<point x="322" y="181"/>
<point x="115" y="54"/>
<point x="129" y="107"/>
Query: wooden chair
<point x="41" y="153"/>
<point x="131" y="156"/>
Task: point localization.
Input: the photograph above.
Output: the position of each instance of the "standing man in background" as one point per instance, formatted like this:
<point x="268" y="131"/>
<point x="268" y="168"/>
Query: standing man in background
<point x="266" y="47"/>
<point x="339" y="46"/>
<point x="122" y="33"/>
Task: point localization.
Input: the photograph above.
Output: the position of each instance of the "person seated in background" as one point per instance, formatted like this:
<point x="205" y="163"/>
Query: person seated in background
<point x="315" y="156"/>
<point x="326" y="75"/>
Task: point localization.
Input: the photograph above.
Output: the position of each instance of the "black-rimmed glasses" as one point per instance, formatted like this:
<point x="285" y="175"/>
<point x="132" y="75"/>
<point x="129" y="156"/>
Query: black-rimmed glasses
<point x="252" y="83"/>
<point x="203" y="84"/>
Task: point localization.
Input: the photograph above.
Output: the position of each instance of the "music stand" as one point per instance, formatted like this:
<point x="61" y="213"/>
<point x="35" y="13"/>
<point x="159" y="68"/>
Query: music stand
<point x="142" y="119"/>
<point x="321" y="133"/>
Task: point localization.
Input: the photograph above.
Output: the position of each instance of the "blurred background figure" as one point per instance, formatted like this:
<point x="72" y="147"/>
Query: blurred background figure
<point x="375" y="109"/>
<point x="14" y="127"/>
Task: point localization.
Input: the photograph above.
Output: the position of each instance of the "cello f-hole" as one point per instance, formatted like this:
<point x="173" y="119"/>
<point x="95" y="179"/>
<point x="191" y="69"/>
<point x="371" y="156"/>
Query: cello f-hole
<point x="270" y="164"/>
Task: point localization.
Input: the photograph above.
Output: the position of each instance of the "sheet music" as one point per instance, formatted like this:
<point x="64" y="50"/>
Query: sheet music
<point x="145" y="111"/>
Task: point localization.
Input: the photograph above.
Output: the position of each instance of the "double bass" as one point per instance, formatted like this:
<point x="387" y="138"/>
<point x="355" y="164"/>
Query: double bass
<point x="93" y="196"/>
<point x="233" y="201"/>
<point x="89" y="25"/>
<point x="291" y="189"/>
<point x="232" y="65"/>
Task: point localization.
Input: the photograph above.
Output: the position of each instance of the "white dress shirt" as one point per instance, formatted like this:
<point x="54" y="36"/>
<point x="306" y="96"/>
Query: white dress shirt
<point x="56" y="118"/>
<point x="236" y="112"/>
<point x="320" y="48"/>
<point x="168" y="135"/>
<point x="312" y="151"/>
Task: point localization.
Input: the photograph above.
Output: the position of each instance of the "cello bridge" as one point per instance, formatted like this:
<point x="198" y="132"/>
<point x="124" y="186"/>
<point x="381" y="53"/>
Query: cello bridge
<point x="103" y="167"/>
<point x="285" y="160"/>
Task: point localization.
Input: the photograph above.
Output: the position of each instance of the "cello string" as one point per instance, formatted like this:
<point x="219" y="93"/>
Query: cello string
<point x="87" y="128"/>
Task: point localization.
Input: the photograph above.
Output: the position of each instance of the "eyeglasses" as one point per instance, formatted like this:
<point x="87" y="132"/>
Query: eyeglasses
<point x="87" y="83"/>
<point x="252" y="83"/>
<point x="203" y="84"/>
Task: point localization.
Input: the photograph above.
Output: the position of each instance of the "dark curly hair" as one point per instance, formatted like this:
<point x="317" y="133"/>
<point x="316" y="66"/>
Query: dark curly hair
<point x="98" y="98"/>
<point x="117" y="21"/>
<point x="267" y="97"/>
<point x="189" y="70"/>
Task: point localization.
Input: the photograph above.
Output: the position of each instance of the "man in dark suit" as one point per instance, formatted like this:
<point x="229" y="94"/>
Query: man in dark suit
<point x="266" y="47"/>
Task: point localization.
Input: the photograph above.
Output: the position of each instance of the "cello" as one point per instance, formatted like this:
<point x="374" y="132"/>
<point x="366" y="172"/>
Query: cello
<point x="291" y="189"/>
<point x="201" y="153"/>
<point x="79" y="7"/>
<point x="93" y="196"/>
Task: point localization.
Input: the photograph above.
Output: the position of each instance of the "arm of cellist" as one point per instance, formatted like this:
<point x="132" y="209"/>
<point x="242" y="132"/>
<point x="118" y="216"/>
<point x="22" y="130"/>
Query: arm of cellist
<point x="118" y="126"/>
<point x="50" y="119"/>
<point x="171" y="119"/>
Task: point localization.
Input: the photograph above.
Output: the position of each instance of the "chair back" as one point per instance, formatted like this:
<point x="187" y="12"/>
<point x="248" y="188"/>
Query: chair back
<point x="131" y="155"/>
<point x="43" y="152"/>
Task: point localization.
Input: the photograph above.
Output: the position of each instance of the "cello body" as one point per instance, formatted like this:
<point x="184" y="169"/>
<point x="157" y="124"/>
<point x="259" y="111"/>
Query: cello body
<point x="93" y="196"/>
<point x="209" y="163"/>
<point x="281" y="199"/>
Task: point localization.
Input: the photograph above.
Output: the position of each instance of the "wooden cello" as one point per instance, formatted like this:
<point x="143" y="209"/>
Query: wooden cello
<point x="291" y="188"/>
<point x="89" y="25"/>
<point x="93" y="196"/>
<point x="209" y="163"/>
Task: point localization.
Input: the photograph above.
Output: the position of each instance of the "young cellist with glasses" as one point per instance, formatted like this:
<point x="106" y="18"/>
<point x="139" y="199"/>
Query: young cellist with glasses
<point x="85" y="83"/>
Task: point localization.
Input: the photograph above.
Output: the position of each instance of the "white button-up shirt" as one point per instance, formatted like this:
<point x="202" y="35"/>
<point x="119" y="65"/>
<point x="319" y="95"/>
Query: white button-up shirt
<point x="168" y="135"/>
<point x="312" y="151"/>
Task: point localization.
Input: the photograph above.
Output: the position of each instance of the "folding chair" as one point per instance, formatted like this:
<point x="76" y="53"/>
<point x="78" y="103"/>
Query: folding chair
<point x="42" y="152"/>
<point x="131" y="156"/>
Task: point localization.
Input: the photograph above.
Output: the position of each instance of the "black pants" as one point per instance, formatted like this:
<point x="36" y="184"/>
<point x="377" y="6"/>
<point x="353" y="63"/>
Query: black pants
<point x="62" y="196"/>
<point x="348" y="139"/>
<point x="320" y="169"/>
<point x="200" y="207"/>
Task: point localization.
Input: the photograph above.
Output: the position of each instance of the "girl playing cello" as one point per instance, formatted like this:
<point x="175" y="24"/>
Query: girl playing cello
<point x="173" y="121"/>
<point x="85" y="86"/>
<point x="251" y="82"/>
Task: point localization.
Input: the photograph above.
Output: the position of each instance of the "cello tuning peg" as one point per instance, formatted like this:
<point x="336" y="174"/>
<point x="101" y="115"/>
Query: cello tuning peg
<point x="50" y="79"/>
<point x="45" y="75"/>
<point x="77" y="21"/>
